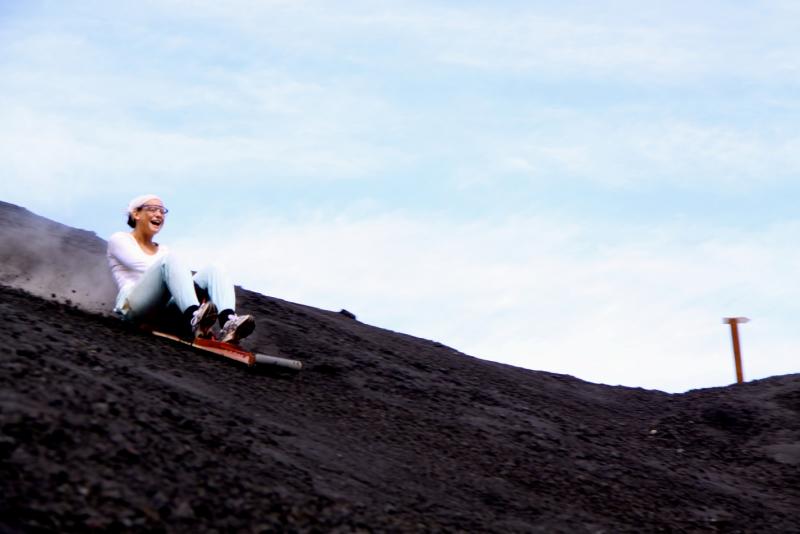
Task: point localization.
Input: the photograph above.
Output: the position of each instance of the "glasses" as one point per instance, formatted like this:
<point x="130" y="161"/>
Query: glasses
<point x="150" y="208"/>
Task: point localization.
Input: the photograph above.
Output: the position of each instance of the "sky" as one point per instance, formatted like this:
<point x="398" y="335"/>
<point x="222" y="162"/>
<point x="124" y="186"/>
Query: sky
<point x="577" y="187"/>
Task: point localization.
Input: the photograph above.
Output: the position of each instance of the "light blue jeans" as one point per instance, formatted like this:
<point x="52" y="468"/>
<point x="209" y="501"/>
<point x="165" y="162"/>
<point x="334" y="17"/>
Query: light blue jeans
<point x="168" y="281"/>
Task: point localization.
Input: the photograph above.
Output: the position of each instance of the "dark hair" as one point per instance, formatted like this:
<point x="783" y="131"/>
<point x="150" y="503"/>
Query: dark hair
<point x="131" y="220"/>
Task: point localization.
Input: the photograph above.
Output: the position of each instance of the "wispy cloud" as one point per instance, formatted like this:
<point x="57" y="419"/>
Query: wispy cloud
<point x="620" y="150"/>
<point x="76" y="118"/>
<point x="667" y="43"/>
<point x="193" y="91"/>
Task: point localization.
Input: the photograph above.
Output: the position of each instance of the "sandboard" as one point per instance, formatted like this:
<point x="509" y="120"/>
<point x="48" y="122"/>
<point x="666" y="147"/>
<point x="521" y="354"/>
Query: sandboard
<point x="233" y="352"/>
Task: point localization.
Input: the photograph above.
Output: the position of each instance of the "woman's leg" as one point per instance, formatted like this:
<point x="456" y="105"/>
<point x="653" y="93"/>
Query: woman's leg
<point x="214" y="281"/>
<point x="168" y="276"/>
<point x="219" y="287"/>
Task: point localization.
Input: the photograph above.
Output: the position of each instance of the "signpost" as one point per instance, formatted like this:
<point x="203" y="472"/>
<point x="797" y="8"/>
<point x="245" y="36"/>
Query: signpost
<point x="737" y="352"/>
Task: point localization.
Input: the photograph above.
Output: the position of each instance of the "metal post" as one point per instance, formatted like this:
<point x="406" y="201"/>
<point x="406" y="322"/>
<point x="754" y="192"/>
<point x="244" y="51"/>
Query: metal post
<point x="737" y="352"/>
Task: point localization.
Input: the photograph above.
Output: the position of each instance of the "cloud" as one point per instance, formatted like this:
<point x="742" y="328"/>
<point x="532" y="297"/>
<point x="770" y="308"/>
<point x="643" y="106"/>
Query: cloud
<point x="191" y="92"/>
<point x="620" y="150"/>
<point x="76" y="119"/>
<point x="639" y="308"/>
<point x="665" y="43"/>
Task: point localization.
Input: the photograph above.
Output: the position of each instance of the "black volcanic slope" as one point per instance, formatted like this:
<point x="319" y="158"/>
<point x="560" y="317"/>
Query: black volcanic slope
<point x="106" y="428"/>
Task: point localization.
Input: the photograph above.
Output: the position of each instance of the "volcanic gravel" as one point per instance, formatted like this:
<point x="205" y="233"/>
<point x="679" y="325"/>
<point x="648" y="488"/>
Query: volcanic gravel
<point x="106" y="428"/>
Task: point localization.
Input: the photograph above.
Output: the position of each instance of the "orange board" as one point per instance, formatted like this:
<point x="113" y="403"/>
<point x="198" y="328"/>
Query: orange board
<point x="233" y="352"/>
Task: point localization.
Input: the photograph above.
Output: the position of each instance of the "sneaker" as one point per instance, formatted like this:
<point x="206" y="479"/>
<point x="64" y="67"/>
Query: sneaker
<point x="203" y="320"/>
<point x="236" y="328"/>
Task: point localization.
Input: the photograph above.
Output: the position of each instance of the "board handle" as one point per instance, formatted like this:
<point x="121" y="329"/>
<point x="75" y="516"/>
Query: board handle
<point x="280" y="362"/>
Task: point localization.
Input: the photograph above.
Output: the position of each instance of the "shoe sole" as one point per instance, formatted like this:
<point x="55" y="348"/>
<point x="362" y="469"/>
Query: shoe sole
<point x="207" y="322"/>
<point x="242" y="331"/>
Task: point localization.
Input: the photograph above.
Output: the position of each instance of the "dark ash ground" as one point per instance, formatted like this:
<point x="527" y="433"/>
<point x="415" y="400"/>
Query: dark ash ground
<point x="105" y="428"/>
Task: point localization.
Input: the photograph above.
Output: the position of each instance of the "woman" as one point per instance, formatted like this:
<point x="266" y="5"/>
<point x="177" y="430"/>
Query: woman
<point x="150" y="278"/>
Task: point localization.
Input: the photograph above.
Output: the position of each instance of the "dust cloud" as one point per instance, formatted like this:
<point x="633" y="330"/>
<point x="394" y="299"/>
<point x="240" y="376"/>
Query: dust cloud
<point x="54" y="261"/>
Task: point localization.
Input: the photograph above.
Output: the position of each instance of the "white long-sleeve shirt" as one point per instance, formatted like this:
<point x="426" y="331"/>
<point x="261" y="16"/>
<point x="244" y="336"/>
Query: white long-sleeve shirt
<point x="127" y="259"/>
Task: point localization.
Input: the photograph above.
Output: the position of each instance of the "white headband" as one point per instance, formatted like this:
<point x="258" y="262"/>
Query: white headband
<point x="141" y="201"/>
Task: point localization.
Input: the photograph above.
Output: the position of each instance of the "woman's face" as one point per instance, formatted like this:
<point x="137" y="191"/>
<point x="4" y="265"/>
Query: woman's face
<point x="150" y="217"/>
